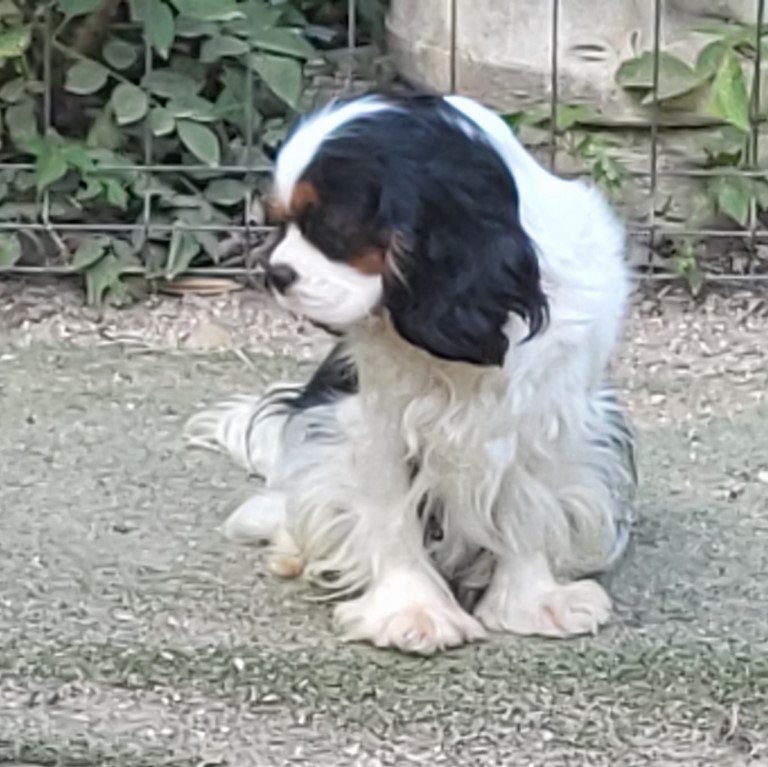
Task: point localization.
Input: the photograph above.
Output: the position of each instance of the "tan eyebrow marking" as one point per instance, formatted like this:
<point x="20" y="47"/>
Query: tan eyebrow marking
<point x="371" y="261"/>
<point x="304" y="195"/>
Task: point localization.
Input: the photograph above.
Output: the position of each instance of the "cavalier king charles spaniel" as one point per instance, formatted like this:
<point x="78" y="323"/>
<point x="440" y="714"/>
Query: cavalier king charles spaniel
<point x="459" y="463"/>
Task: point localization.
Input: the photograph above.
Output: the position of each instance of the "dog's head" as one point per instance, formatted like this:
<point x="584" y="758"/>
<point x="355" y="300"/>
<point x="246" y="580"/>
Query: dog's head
<point x="403" y="206"/>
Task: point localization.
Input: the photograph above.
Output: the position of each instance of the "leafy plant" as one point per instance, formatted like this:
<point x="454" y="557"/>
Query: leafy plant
<point x="716" y="80"/>
<point x="574" y="132"/>
<point x="686" y="264"/>
<point x="717" y="72"/>
<point x="191" y="88"/>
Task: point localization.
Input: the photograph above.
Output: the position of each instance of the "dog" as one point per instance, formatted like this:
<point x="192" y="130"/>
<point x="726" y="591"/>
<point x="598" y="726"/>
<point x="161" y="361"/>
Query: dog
<point x="460" y="463"/>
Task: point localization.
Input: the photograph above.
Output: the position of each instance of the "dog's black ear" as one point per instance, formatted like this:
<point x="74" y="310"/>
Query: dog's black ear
<point x="455" y="283"/>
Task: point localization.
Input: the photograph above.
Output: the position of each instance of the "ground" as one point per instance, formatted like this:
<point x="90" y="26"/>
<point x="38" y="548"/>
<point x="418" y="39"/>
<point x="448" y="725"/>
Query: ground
<point x="132" y="633"/>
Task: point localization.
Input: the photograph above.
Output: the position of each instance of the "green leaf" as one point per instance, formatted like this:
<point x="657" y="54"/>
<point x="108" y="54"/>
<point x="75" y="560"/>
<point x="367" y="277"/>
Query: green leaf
<point x="535" y="116"/>
<point x="116" y="193"/>
<point x="103" y="131"/>
<point x="694" y="276"/>
<point x="126" y="253"/>
<point x="675" y="81"/>
<point x="200" y="140"/>
<point x="10" y="250"/>
<point x="209" y="10"/>
<point x="88" y="253"/>
<point x="223" y="45"/>
<point x="50" y="166"/>
<point x="717" y="28"/>
<point x="158" y="22"/>
<point x="161" y="121"/>
<point x="569" y="115"/>
<point x="274" y="133"/>
<point x="193" y="108"/>
<point x="636" y="73"/>
<point x="230" y="104"/>
<point x="710" y="58"/>
<point x="192" y="28"/>
<point x="120" y="54"/>
<point x="566" y="116"/>
<point x="281" y="75"/>
<point x="102" y="276"/>
<point x="182" y="251"/>
<point x="729" y="99"/>
<point x="129" y="103"/>
<point x="291" y="16"/>
<point x="72" y="8"/>
<point x="138" y="9"/>
<point x="733" y="195"/>
<point x="732" y="34"/>
<point x="726" y="147"/>
<point x="170" y="84"/>
<point x="675" y="76"/>
<point x="760" y="192"/>
<point x="86" y="77"/>
<point x="92" y="189"/>
<point x="14" y="42"/>
<point x="9" y="9"/>
<point x="262" y="15"/>
<point x="210" y="245"/>
<point x="76" y="155"/>
<point x="226" y="191"/>
<point x="284" y="41"/>
<point x="13" y="91"/>
<point x="258" y="16"/>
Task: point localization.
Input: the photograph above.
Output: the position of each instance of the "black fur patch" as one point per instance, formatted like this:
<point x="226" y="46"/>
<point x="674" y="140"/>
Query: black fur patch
<point x="423" y="179"/>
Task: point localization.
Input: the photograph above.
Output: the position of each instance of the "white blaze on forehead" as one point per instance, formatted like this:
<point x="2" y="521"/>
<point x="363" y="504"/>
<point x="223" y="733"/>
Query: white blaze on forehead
<point x="297" y="153"/>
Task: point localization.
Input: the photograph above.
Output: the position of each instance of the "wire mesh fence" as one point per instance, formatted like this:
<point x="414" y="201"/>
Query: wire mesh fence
<point x="147" y="152"/>
<point x="738" y="226"/>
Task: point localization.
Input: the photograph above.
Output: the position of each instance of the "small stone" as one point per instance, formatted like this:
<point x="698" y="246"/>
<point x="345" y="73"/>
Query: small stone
<point x="207" y="336"/>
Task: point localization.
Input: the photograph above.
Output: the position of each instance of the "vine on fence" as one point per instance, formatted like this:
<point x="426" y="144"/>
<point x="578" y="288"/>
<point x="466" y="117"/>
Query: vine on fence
<point x="213" y="84"/>
<point x="717" y="82"/>
<point x="717" y="78"/>
<point x="207" y="83"/>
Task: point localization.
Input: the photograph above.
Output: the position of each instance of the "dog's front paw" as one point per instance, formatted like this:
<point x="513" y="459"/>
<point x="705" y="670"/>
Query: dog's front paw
<point x="408" y="613"/>
<point x="564" y="610"/>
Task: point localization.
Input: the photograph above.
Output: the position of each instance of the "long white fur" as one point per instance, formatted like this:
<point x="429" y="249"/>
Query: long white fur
<point x="523" y="458"/>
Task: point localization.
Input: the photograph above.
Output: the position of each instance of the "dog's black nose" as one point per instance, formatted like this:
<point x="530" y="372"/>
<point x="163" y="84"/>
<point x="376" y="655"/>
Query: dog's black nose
<point x="281" y="277"/>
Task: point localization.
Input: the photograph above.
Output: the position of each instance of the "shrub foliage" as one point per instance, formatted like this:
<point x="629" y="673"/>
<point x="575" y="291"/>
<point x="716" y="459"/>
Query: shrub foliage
<point x="157" y="113"/>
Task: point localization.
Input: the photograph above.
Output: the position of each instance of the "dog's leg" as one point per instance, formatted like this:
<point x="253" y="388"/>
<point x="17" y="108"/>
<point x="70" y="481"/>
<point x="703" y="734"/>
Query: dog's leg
<point x="524" y="598"/>
<point x="406" y="605"/>
<point x="580" y="507"/>
<point x="276" y="436"/>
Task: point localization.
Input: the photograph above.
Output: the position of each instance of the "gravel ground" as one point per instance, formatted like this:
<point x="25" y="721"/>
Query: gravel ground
<point x="132" y="634"/>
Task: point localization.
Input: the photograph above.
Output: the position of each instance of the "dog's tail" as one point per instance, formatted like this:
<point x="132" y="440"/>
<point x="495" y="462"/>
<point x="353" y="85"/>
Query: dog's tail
<point x="275" y="437"/>
<point x="249" y="429"/>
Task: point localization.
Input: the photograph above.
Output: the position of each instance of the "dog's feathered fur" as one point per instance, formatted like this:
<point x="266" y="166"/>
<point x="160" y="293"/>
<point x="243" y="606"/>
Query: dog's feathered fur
<point x="461" y="449"/>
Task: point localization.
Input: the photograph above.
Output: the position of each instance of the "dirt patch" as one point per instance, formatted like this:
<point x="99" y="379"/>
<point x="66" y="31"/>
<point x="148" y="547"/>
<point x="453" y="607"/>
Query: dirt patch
<point x="132" y="634"/>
